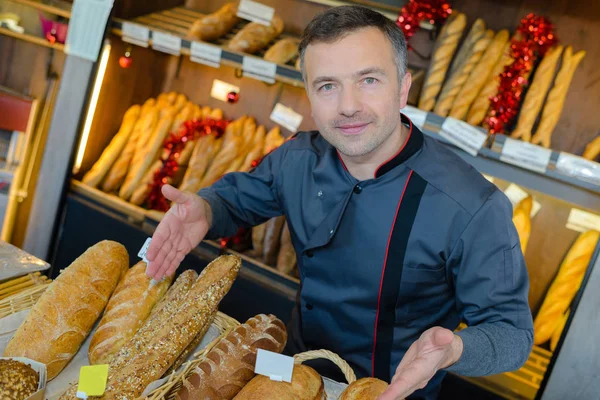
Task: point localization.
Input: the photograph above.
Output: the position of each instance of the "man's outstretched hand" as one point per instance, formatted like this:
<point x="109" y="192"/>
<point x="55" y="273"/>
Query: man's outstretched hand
<point x="436" y="349"/>
<point x="181" y="229"/>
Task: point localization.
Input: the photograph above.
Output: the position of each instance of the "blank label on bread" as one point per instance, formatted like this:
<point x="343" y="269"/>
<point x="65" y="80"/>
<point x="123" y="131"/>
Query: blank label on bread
<point x="256" y="12"/>
<point x="144" y="250"/>
<point x="582" y="221"/>
<point x="274" y="365"/>
<point x="221" y="89"/>
<point x="136" y="34"/>
<point x="286" y="117"/>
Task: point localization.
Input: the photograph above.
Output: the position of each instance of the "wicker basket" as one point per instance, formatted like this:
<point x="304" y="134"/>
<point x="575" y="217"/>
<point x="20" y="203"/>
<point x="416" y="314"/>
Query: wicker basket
<point x="22" y="300"/>
<point x="327" y="355"/>
<point x="15" y="286"/>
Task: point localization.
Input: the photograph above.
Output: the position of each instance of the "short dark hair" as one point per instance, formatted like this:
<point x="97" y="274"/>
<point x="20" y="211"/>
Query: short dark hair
<point x="338" y="22"/>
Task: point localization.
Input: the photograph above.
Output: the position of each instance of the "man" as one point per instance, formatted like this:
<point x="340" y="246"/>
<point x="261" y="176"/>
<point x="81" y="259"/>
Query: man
<point x="398" y="239"/>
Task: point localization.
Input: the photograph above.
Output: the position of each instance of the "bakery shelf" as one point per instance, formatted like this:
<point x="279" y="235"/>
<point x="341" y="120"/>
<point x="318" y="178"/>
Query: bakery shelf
<point x="56" y="7"/>
<point x="31" y="39"/>
<point x="177" y="21"/>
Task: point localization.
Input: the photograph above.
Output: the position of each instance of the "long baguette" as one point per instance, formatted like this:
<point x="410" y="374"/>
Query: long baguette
<point x="273" y="140"/>
<point x="476" y="33"/>
<point x="213" y="26"/>
<point x="207" y="147"/>
<point x="282" y="51"/>
<point x="255" y="152"/>
<point x="255" y="36"/>
<point x="592" y="149"/>
<point x="522" y="220"/>
<point x="286" y="259"/>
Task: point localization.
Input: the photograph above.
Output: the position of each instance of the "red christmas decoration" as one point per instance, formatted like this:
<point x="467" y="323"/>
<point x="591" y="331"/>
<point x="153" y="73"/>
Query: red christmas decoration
<point x="175" y="143"/>
<point x="125" y="61"/>
<point x="233" y="97"/>
<point x="535" y="37"/>
<point x="412" y="14"/>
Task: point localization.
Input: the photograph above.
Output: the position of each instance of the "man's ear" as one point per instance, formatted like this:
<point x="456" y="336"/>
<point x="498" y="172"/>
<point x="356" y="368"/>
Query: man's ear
<point x="404" y="89"/>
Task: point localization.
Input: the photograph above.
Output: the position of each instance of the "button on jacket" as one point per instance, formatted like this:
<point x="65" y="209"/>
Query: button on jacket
<point x="428" y="241"/>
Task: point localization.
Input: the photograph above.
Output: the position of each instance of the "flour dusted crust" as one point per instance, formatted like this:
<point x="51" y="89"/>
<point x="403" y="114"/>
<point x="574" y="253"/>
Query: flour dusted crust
<point x="306" y="384"/>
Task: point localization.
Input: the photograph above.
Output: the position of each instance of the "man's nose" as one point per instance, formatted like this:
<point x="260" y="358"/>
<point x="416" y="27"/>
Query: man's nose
<point x="349" y="102"/>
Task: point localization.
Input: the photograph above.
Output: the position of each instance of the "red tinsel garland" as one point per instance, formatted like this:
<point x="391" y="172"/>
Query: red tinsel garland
<point x="175" y="142"/>
<point x="536" y="37"/>
<point x="413" y="13"/>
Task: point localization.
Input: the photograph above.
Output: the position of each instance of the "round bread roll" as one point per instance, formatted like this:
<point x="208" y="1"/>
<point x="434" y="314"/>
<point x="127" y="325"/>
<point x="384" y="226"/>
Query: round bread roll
<point x="364" y="389"/>
<point x="306" y="384"/>
<point x="17" y="380"/>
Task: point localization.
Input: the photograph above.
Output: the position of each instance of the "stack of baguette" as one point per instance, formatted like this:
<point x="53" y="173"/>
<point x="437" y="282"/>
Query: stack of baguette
<point x="272" y="244"/>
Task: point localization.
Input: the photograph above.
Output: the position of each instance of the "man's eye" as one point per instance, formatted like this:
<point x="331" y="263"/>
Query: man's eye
<point x="327" y="87"/>
<point x="370" y="81"/>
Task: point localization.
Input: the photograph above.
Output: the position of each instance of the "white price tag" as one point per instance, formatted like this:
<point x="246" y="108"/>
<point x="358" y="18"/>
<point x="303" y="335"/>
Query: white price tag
<point x="206" y="54"/>
<point x="276" y="366"/>
<point x="259" y="69"/>
<point x="166" y="43"/>
<point x="579" y="167"/>
<point x="525" y="155"/>
<point x="86" y="28"/>
<point x="286" y="117"/>
<point x="417" y="116"/>
<point x="463" y="135"/>
<point x="256" y="12"/>
<point x="515" y="194"/>
<point x="221" y="89"/>
<point x="136" y="34"/>
<point x="582" y="221"/>
<point x="144" y="249"/>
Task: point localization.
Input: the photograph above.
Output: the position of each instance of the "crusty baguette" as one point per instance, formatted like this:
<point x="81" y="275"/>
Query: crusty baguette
<point x="444" y="50"/>
<point x="255" y="36"/>
<point x="479" y="75"/>
<point x="476" y="33"/>
<point x="564" y="287"/>
<point x="229" y="366"/>
<point x="273" y="239"/>
<point x="64" y="315"/>
<point x="364" y="389"/>
<point x="592" y="149"/>
<point x="145" y="156"/>
<point x="273" y="140"/>
<point x="213" y="26"/>
<point x="282" y="51"/>
<point x="176" y="292"/>
<point x="165" y="100"/>
<point x="286" y="259"/>
<point x="556" y="99"/>
<point x="248" y="134"/>
<point x="522" y="220"/>
<point x="233" y="144"/>
<point x="127" y="309"/>
<point x="216" y="114"/>
<point x="114" y="149"/>
<point x="306" y="384"/>
<point x="258" y="240"/>
<point x="256" y="152"/>
<point x="180" y="102"/>
<point x="560" y="327"/>
<point x="456" y="81"/>
<point x="542" y="80"/>
<point x="207" y="147"/>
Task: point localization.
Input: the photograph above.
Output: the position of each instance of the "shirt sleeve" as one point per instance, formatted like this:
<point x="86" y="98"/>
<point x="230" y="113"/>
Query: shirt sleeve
<point x="244" y="200"/>
<point x="492" y="287"/>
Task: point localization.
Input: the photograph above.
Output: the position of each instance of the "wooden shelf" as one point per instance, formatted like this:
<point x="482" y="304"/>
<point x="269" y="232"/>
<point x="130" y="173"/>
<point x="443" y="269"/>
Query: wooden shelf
<point x="60" y="8"/>
<point x="32" y="39"/>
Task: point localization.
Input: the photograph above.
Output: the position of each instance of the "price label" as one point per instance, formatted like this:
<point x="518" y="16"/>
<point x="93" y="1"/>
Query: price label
<point x="582" y="221"/>
<point x="206" y="54"/>
<point x="92" y="381"/>
<point x="515" y="194"/>
<point x="221" y="89"/>
<point x="417" y="116"/>
<point x="166" y="43"/>
<point x="463" y="135"/>
<point x="579" y="167"/>
<point x="144" y="249"/>
<point x="276" y="366"/>
<point x="256" y="12"/>
<point x="136" y="34"/>
<point x="259" y="69"/>
<point x="286" y="117"/>
<point x="526" y="155"/>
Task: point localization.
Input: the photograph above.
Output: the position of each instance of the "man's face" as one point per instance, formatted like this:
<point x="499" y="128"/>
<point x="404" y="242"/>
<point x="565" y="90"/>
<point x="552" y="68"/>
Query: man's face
<point x="354" y="90"/>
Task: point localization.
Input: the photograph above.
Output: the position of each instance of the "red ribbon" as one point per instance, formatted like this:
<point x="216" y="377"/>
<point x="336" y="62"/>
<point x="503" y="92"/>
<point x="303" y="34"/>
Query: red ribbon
<point x="413" y="13"/>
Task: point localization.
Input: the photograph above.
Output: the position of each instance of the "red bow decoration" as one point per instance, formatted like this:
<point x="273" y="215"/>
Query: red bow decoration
<point x="413" y="13"/>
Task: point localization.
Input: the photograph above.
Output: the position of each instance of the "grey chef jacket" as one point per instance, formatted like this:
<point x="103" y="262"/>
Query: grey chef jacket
<point x="428" y="241"/>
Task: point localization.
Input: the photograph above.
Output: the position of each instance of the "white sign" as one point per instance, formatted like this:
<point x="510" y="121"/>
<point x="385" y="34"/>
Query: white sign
<point x="526" y="155"/>
<point x="463" y="135"/>
<point x="579" y="167"/>
<point x="144" y="250"/>
<point x="166" y="43"/>
<point x="515" y="194"/>
<point x="206" y="54"/>
<point x="417" y="116"/>
<point x="221" y="89"/>
<point x="86" y="28"/>
<point x="136" y="34"/>
<point x="286" y="117"/>
<point x="256" y="12"/>
<point x="274" y="365"/>
<point x="582" y="221"/>
<point x="259" y="69"/>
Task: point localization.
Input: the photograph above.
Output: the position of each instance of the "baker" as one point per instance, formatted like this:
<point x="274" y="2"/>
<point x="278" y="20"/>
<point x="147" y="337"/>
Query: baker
<point x="398" y="239"/>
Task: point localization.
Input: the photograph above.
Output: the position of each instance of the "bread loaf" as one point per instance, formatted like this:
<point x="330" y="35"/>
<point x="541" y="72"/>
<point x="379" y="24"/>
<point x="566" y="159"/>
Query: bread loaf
<point x="64" y="315"/>
<point x="176" y="292"/>
<point x="205" y="150"/>
<point x="592" y="149"/>
<point x="444" y="50"/>
<point x="248" y="141"/>
<point x="233" y="142"/>
<point x="286" y="259"/>
<point x="272" y="239"/>
<point x="215" y="25"/>
<point x="364" y="389"/>
<point x="255" y="36"/>
<point x="306" y="384"/>
<point x="282" y="51"/>
<point x="256" y="152"/>
<point x="258" y="239"/>
<point x="273" y="140"/>
<point x="191" y="348"/>
<point x="476" y="33"/>
<point x="229" y="366"/>
<point x="127" y="309"/>
<point x="114" y="149"/>
<point x="536" y="94"/>
<point x="560" y="327"/>
<point x="564" y="287"/>
<point x="522" y="220"/>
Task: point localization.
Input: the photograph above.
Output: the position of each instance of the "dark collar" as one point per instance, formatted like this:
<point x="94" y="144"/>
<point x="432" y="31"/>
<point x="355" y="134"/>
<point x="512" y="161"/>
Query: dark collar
<point x="413" y="143"/>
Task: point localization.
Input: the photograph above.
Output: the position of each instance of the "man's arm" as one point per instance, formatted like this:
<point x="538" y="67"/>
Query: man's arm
<point x="492" y="286"/>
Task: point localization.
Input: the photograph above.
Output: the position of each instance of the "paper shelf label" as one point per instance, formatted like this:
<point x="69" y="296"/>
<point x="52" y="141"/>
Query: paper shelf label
<point x="259" y="69"/>
<point x="286" y="117"/>
<point x="515" y="194"/>
<point x="221" y="89"/>
<point x="166" y="43"/>
<point x="582" y="221"/>
<point x="274" y="365"/>
<point x="256" y="12"/>
<point x="579" y="167"/>
<point x="206" y="54"/>
<point x="526" y="155"/>
<point x="463" y="135"/>
<point x="136" y="34"/>
<point x="417" y="116"/>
